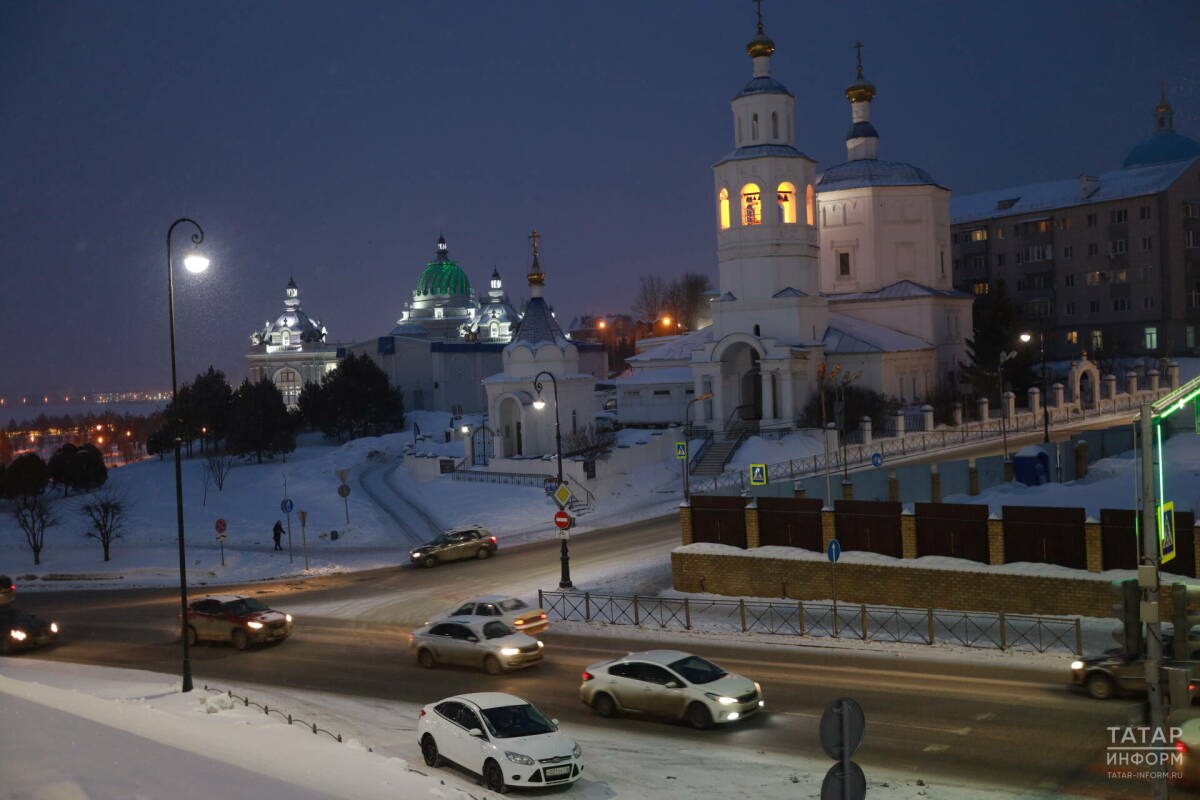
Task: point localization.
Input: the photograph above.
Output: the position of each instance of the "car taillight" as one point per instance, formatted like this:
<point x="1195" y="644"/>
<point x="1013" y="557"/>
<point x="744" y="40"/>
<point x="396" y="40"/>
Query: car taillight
<point x="1181" y="747"/>
<point x="493" y="538"/>
<point x="541" y="616"/>
<point x="421" y="714"/>
<point x="587" y="676"/>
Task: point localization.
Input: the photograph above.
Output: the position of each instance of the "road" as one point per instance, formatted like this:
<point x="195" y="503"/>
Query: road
<point x="985" y="721"/>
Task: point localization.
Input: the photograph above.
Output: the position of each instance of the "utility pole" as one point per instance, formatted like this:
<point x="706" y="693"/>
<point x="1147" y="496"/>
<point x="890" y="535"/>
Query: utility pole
<point x="1150" y="556"/>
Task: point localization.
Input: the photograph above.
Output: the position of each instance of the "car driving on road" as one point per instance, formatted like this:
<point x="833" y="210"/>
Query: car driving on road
<point x="499" y="737"/>
<point x="670" y="683"/>
<point x="24" y="631"/>
<point x="8" y="590"/>
<point x="473" y="541"/>
<point x="474" y="642"/>
<point x="1117" y="672"/>
<point x="512" y="611"/>
<point x="236" y="619"/>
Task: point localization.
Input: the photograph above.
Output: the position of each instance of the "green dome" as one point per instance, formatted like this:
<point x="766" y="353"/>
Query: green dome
<point x="443" y="277"/>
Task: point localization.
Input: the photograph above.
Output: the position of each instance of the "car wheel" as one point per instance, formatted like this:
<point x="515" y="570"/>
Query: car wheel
<point x="493" y="777"/>
<point x="604" y="705"/>
<point x="483" y="553"/>
<point x="699" y="717"/>
<point x="425" y="658"/>
<point x="191" y="636"/>
<point x="492" y="665"/>
<point x="1100" y="686"/>
<point x="239" y="639"/>
<point x="429" y="561"/>
<point x="429" y="751"/>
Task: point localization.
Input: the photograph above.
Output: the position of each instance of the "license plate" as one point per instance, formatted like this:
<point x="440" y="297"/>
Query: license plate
<point x="558" y="772"/>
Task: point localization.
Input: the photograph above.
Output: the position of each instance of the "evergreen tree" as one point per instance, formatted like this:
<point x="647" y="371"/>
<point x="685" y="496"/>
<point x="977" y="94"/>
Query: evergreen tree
<point x="259" y="423"/>
<point x="211" y="399"/>
<point x="90" y="471"/>
<point x="63" y="467"/>
<point x="356" y="399"/>
<point x="995" y="333"/>
<point x="26" y="477"/>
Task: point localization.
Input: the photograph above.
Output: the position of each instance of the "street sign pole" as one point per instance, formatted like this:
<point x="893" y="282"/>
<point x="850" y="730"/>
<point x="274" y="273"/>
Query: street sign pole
<point x="221" y="541"/>
<point x="304" y="537"/>
<point x="1150" y="556"/>
<point x="834" y="553"/>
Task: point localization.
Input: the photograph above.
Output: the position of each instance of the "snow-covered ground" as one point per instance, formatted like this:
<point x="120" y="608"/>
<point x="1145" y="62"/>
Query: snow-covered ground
<point x="757" y="450"/>
<point x="95" y="732"/>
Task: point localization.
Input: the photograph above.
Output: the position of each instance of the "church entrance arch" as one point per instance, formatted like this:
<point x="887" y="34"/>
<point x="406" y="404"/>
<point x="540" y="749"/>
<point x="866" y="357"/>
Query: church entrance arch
<point x="510" y="427"/>
<point x="741" y="382"/>
<point x="1084" y="380"/>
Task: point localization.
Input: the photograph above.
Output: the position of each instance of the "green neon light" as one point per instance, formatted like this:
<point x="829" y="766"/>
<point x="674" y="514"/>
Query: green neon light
<point x="1161" y="494"/>
<point x="1178" y="406"/>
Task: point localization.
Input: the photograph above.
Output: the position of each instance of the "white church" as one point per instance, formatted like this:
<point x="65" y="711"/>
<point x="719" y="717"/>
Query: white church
<point x="848" y="268"/>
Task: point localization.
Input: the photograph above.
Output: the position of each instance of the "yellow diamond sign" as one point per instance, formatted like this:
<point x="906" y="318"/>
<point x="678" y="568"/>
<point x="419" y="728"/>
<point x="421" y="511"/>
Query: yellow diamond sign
<point x="562" y="494"/>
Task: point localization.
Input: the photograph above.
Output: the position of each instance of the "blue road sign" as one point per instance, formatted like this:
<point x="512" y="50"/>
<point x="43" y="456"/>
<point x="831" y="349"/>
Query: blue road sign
<point x="876" y="459"/>
<point x="835" y="551"/>
<point x="286" y="506"/>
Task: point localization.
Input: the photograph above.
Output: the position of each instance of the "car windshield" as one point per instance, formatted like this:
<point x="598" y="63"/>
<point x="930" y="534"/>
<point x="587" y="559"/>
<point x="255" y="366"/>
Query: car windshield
<point x="512" y="604"/>
<point x="509" y="722"/>
<point x="246" y="605"/>
<point x="496" y="630"/>
<point x="697" y="670"/>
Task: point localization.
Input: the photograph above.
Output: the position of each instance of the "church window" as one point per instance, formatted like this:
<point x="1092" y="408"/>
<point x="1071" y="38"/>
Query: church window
<point x="285" y="339"/>
<point x="844" y="265"/>
<point x="287" y="381"/>
<point x="785" y="195"/>
<point x="723" y="208"/>
<point x="754" y="127"/>
<point x="810" y="205"/>
<point x="438" y="312"/>
<point x="757" y="331"/>
<point x="751" y="205"/>
<point x="774" y="125"/>
<point x="495" y="330"/>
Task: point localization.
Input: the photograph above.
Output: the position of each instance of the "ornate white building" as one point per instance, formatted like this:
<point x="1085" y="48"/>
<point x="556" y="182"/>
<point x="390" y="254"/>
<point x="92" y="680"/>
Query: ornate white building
<point x="291" y="351"/>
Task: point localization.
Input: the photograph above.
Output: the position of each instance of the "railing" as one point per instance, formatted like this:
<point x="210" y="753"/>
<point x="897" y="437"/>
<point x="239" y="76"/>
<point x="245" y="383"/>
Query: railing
<point x="834" y="620"/>
<point x="537" y="480"/>
<point x="694" y="459"/>
<point x="266" y="709"/>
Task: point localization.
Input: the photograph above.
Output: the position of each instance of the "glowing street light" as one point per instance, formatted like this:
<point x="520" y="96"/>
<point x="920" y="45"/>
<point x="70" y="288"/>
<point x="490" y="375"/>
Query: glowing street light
<point x="539" y="404"/>
<point x="195" y="262"/>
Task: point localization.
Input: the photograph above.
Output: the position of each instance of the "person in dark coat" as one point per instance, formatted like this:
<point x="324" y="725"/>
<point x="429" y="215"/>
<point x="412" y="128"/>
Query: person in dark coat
<point x="277" y="532"/>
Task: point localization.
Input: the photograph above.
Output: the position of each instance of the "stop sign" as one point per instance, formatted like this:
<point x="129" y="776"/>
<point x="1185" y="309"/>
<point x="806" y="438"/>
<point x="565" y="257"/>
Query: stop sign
<point x="220" y="526"/>
<point x="562" y="519"/>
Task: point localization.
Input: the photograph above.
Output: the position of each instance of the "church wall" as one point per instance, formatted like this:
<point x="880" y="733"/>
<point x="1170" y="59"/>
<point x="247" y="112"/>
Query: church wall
<point x="410" y="369"/>
<point x="910" y="376"/>
<point x="458" y="373"/>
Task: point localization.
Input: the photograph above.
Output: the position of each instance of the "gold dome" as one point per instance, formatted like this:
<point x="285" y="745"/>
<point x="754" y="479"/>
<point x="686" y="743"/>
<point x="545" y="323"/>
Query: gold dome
<point x="861" y="91"/>
<point x="760" y="45"/>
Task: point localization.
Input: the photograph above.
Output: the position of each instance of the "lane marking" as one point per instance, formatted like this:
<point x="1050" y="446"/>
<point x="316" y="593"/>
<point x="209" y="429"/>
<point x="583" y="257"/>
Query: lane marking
<point x="955" y="731"/>
<point x="936" y="748"/>
<point x="984" y="716"/>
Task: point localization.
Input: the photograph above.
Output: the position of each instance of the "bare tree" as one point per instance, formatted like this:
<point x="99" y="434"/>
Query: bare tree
<point x="217" y="464"/>
<point x="650" y="300"/>
<point x="34" y="515"/>
<point x="688" y="299"/>
<point x="106" y="511"/>
<point x="588" y="442"/>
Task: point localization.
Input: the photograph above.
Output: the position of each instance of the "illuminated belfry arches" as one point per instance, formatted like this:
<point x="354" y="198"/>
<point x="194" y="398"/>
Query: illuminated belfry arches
<point x="785" y="195"/>
<point x="751" y="204"/>
<point x="723" y="208"/>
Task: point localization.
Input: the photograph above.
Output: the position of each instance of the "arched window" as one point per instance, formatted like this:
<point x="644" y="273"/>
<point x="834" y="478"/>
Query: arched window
<point x="285" y="338"/>
<point x="751" y="205"/>
<point x="810" y="205"/>
<point x="754" y="127"/>
<point x="287" y="381"/>
<point x="757" y="331"/>
<point x="774" y="125"/>
<point x="785" y="195"/>
<point x="495" y="330"/>
<point x="723" y="208"/>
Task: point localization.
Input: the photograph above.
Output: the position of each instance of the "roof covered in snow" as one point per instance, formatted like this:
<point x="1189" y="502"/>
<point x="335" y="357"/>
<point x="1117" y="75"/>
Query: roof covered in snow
<point x="849" y="335"/>
<point x="762" y="84"/>
<point x="1162" y="147"/>
<point x="538" y="326"/>
<point x="1066" y="192"/>
<point x="654" y="376"/>
<point x="679" y="348"/>
<point x="762" y="151"/>
<point x="872" y="172"/>
<point x="899" y="290"/>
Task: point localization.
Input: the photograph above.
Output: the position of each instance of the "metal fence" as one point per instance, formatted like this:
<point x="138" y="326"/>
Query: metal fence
<point x="287" y="717"/>
<point x="833" y="620"/>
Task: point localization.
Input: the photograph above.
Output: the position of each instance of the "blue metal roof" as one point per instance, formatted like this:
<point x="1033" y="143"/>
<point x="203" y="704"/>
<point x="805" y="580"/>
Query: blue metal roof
<point x="873" y="172"/>
<point x="762" y="151"/>
<point x="537" y="326"/>
<point x="761" y="85"/>
<point x="862" y="130"/>
<point x="1161" y="148"/>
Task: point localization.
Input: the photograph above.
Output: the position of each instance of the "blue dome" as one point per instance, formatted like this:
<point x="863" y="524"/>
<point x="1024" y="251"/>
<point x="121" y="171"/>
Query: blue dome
<point x="1162" y="147"/>
<point x="763" y="85"/>
<point x="862" y="130"/>
<point x="873" y="172"/>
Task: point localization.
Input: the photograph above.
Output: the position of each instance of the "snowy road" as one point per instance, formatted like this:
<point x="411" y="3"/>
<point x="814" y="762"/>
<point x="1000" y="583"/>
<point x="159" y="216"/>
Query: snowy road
<point x="413" y="524"/>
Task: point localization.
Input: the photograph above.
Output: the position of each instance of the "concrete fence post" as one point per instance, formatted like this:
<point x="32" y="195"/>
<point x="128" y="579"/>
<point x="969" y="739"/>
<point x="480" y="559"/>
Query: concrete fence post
<point x="1010" y="406"/>
<point x="1153" y="377"/>
<point x="1131" y="382"/>
<point x="957" y="411"/>
<point x="1110" y="387"/>
<point x="1058" y="391"/>
<point x="927" y="417"/>
<point x="1173" y="374"/>
<point x="898" y="419"/>
<point x="984" y="412"/>
<point x="864" y="425"/>
<point x="1035" y="402"/>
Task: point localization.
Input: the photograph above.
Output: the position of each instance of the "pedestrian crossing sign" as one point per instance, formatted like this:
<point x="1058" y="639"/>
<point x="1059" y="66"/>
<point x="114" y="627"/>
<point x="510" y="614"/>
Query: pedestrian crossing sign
<point x="758" y="474"/>
<point x="1166" y="532"/>
<point x="681" y="450"/>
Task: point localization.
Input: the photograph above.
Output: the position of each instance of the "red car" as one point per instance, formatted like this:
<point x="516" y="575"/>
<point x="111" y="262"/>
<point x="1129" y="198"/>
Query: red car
<point x="236" y="619"/>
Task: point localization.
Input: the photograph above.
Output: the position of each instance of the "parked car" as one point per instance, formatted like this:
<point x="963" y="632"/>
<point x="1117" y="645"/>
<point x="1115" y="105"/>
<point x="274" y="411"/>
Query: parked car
<point x="499" y="737"/>
<point x="1116" y="672"/>
<point x="512" y="611"/>
<point x="474" y="642"/>
<point x="8" y="590"/>
<point x="24" y="631"/>
<point x="236" y="619"/>
<point x="474" y="541"/>
<point x="673" y="684"/>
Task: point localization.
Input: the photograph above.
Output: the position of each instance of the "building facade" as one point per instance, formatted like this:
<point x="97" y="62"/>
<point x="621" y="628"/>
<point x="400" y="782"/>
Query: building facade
<point x="291" y="351"/>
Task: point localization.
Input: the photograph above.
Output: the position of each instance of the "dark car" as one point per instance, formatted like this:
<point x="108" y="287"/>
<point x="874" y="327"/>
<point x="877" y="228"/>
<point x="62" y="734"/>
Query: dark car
<point x="24" y="631"/>
<point x="236" y="619"/>
<point x="1117" y="672"/>
<point x="470" y="542"/>
<point x="8" y="590"/>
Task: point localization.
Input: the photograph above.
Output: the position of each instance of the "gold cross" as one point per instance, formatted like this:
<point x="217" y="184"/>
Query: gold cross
<point x="758" y="10"/>
<point x="533" y="239"/>
<point x="859" y="46"/>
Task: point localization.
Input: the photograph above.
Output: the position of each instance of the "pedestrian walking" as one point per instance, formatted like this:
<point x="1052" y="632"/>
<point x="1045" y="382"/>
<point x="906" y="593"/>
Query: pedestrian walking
<point x="277" y="532"/>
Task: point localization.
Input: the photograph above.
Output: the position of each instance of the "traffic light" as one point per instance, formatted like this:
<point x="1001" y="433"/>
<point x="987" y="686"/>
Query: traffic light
<point x="1180" y="688"/>
<point x="1184" y="620"/>
<point x="1127" y="609"/>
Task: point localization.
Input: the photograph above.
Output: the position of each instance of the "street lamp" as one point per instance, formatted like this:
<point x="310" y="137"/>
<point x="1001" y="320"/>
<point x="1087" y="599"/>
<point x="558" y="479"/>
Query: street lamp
<point x="687" y="435"/>
<point x="565" y="581"/>
<point x="1027" y="338"/>
<point x="1009" y="356"/>
<point x="194" y="262"/>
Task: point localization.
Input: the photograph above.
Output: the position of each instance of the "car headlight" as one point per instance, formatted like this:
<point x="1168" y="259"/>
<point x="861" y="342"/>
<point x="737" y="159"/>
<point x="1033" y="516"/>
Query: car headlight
<point x="17" y="634"/>
<point x="722" y="699"/>
<point x="518" y="758"/>
<point x="1076" y="665"/>
<point x="414" y="555"/>
<point x="253" y="625"/>
<point x="577" y="751"/>
<point x="541" y="643"/>
<point x="509" y="651"/>
<point x="288" y="617"/>
<point x="54" y="627"/>
<point x="758" y="687"/>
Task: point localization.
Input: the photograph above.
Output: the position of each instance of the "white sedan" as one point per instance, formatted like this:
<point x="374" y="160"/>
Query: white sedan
<point x="500" y="737"/>
<point x="512" y="611"/>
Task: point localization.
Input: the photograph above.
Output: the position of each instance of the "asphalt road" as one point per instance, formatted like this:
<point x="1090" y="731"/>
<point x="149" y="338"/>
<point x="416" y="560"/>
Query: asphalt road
<point x="987" y="721"/>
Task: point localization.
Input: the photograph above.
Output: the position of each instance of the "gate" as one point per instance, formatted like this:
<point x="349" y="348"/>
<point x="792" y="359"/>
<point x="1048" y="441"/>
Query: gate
<point x="790" y="522"/>
<point x="869" y="525"/>
<point x="482" y="447"/>
<point x="719" y="520"/>
<point x="1184" y="562"/>
<point x="1045" y="535"/>
<point x="952" y="529"/>
<point x="1118" y="539"/>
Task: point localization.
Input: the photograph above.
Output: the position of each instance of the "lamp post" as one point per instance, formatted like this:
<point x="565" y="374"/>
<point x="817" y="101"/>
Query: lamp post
<point x="1009" y="356"/>
<point x="565" y="581"/>
<point x="1026" y="338"/>
<point x="194" y="262"/>
<point x="687" y="436"/>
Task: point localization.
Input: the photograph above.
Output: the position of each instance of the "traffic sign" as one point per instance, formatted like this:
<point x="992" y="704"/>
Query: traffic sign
<point x="564" y="533"/>
<point x="221" y="526"/>
<point x="343" y="491"/>
<point x="222" y="537"/>
<point x="758" y="474"/>
<point x="286" y="505"/>
<point x="1166" y="532"/>
<point x="342" y="474"/>
<point x="562" y="519"/>
<point x="835" y="551"/>
<point x="562" y="494"/>
<point x="876" y="459"/>
<point x="841" y="729"/>
<point x="681" y="450"/>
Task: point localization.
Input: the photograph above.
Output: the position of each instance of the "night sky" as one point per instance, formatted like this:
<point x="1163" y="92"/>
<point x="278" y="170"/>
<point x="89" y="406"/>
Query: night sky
<point x="335" y="141"/>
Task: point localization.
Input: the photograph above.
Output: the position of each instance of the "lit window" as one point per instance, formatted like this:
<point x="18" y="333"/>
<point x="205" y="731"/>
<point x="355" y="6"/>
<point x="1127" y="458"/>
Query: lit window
<point x="723" y="208"/>
<point x="982" y="287"/>
<point x="979" y="235"/>
<point x="1072" y="337"/>
<point x="785" y="195"/>
<point x="287" y="381"/>
<point x="1097" y="340"/>
<point x="285" y="339"/>
<point x="999" y="231"/>
<point x="751" y="205"/>
<point x="810" y="204"/>
<point x="1151" y="338"/>
<point x="1043" y="226"/>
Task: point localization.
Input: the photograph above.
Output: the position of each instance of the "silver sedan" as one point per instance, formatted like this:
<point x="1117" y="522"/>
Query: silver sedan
<point x="475" y="642"/>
